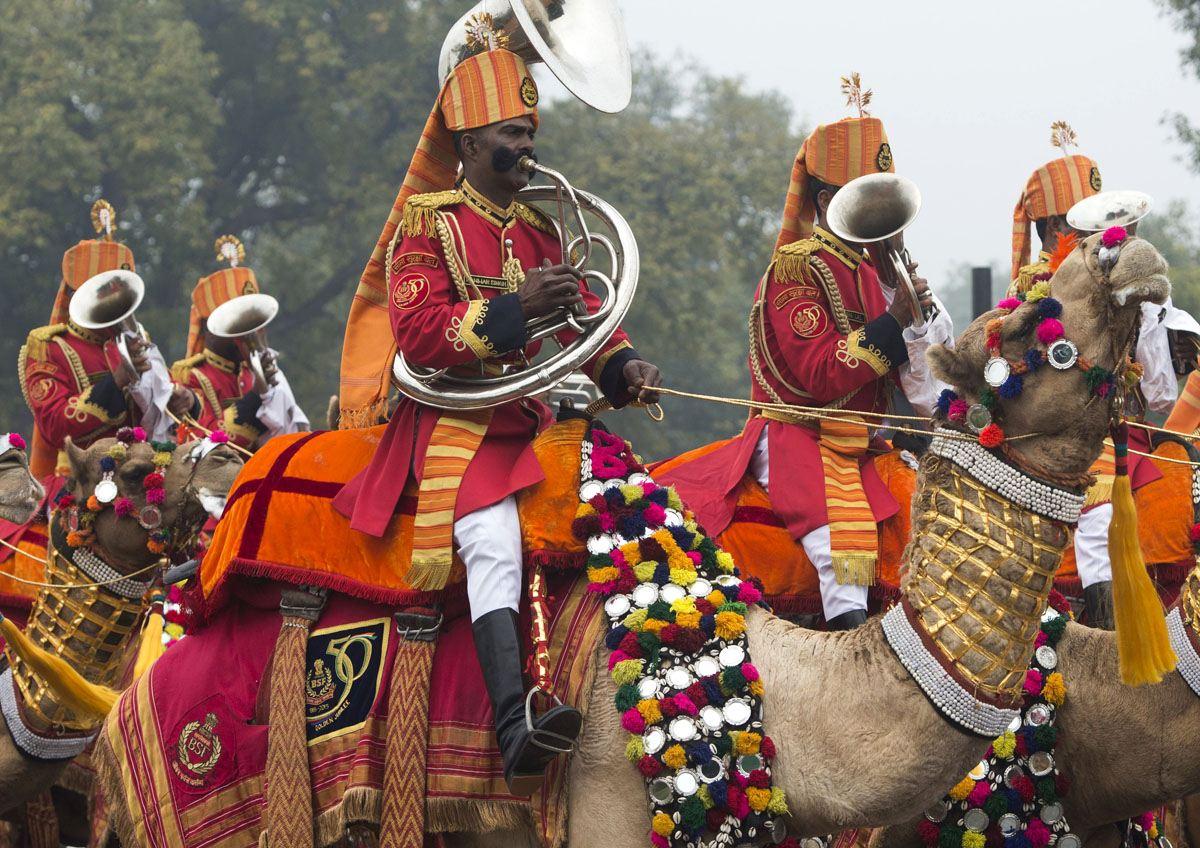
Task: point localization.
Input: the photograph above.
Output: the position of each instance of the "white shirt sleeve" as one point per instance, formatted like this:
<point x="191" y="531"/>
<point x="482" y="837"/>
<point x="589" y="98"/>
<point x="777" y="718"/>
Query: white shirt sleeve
<point x="152" y="393"/>
<point x="916" y="379"/>
<point x="279" y="412"/>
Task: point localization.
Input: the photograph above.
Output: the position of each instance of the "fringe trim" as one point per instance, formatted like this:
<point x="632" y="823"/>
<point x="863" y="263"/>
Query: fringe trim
<point x="855" y="569"/>
<point x="360" y="805"/>
<point x="420" y="211"/>
<point x="454" y="815"/>
<point x="108" y="776"/>
<point x="430" y="572"/>
<point x="556" y="560"/>
<point x="363" y="416"/>
<point x="37" y="342"/>
<point x="1099" y="492"/>
<point x="791" y="262"/>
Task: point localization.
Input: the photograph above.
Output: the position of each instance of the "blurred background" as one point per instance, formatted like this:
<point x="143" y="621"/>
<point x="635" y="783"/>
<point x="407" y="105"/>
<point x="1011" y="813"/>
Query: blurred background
<point x="291" y="122"/>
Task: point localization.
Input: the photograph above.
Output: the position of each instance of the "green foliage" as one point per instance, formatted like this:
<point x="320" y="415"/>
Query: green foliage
<point x="1186" y="15"/>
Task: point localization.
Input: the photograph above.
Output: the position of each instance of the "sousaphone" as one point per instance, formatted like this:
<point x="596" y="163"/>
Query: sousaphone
<point x="583" y="44"/>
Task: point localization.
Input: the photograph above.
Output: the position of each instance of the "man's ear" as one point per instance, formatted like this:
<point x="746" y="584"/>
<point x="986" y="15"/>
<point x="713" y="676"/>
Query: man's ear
<point x="77" y="458"/>
<point x="824" y="197"/>
<point x="469" y="146"/>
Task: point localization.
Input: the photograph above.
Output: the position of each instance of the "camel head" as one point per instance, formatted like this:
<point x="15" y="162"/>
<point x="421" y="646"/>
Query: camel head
<point x="20" y="493"/>
<point x="1065" y="413"/>
<point x="189" y="476"/>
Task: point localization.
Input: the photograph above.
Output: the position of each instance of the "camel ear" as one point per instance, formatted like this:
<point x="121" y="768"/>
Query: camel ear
<point x="952" y="367"/>
<point x="77" y="457"/>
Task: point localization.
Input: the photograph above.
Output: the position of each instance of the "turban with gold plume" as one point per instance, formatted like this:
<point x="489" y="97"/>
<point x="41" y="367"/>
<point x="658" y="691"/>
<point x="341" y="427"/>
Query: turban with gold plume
<point x="219" y="287"/>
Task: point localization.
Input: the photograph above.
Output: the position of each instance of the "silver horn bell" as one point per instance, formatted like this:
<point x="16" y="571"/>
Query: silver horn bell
<point x="872" y="208"/>
<point x="1110" y="209"/>
<point x="244" y="320"/>
<point x="107" y="301"/>
<point x="582" y="42"/>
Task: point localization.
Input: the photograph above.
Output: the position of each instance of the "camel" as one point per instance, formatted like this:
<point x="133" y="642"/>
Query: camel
<point x="860" y="742"/>
<point x="20" y="493"/>
<point x="124" y="544"/>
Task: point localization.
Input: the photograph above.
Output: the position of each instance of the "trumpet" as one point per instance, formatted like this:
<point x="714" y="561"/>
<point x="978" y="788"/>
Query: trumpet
<point x="243" y="320"/>
<point x="108" y="301"/>
<point x="872" y="209"/>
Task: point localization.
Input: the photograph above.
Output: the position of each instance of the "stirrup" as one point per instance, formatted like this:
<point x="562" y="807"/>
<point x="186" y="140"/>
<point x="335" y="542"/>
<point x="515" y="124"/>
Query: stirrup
<point x="547" y="740"/>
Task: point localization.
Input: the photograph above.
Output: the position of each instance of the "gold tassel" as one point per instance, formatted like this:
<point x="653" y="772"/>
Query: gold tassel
<point x="854" y="569"/>
<point x="1099" y="492"/>
<point x="69" y="686"/>
<point x="1143" y="649"/>
<point x="429" y="572"/>
<point x="150" y="647"/>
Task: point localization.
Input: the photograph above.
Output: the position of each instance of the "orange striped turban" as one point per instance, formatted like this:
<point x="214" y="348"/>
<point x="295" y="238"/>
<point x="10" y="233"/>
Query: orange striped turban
<point x="835" y="154"/>
<point x="89" y="258"/>
<point x="1052" y="190"/>
<point x="483" y="89"/>
<point x="211" y="292"/>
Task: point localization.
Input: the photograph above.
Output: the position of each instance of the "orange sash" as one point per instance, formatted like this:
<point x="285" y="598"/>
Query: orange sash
<point x="853" y="533"/>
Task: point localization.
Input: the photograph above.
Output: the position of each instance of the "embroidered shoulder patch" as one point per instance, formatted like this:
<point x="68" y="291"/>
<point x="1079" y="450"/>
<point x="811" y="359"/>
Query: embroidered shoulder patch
<point x="410" y="291"/>
<point x="795" y="293"/>
<point x="809" y="320"/>
<point x="406" y="260"/>
<point x="205" y="746"/>
<point x="343" y="669"/>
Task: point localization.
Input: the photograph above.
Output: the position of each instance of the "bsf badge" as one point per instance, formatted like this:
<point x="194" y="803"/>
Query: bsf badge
<point x="197" y="751"/>
<point x="529" y="92"/>
<point x="809" y="321"/>
<point x="1094" y="179"/>
<point x="883" y="159"/>
<point x="410" y="291"/>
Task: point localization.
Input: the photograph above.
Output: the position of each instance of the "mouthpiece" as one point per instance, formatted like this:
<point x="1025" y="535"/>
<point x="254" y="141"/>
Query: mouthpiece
<point x="526" y="163"/>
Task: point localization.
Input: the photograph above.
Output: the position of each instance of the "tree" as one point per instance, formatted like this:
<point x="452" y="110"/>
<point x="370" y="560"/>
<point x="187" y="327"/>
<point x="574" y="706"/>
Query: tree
<point x="1178" y="240"/>
<point x="1186" y="14"/>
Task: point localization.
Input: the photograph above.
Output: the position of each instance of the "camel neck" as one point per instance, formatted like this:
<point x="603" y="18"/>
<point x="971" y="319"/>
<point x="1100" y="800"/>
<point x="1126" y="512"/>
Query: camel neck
<point x="980" y="571"/>
<point x="89" y="628"/>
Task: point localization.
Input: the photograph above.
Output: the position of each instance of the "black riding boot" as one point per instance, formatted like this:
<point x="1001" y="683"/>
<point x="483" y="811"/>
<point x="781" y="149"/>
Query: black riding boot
<point x="527" y="750"/>
<point x="848" y="620"/>
<point x="1098" y="605"/>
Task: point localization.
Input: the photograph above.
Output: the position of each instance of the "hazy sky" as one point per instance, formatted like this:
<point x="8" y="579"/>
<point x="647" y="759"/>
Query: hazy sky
<point x="967" y="92"/>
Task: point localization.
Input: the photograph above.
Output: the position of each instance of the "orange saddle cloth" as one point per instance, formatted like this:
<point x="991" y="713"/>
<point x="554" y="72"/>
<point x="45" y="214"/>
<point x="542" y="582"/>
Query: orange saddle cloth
<point x="764" y="549"/>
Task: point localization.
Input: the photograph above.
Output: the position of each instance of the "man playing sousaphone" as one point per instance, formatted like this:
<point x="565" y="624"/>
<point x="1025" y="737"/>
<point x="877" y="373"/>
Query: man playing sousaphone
<point x="466" y="266"/>
<point x="251" y="404"/>
<point x="824" y="332"/>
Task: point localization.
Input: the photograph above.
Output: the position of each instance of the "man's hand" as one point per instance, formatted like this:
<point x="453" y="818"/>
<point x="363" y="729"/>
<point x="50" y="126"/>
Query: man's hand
<point x="269" y="369"/>
<point x="642" y="378"/>
<point x="548" y="289"/>
<point x="901" y="308"/>
<point x="182" y="401"/>
<point x="126" y="376"/>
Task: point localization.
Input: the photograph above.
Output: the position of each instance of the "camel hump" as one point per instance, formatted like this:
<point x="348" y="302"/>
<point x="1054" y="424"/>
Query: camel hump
<point x="38" y="340"/>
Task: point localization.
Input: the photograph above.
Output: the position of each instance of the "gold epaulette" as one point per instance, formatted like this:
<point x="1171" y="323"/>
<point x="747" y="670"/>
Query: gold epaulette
<point x="1025" y="277"/>
<point x="182" y="370"/>
<point x="419" y="210"/>
<point x="536" y="218"/>
<point x="791" y="262"/>
<point x="38" y="340"/>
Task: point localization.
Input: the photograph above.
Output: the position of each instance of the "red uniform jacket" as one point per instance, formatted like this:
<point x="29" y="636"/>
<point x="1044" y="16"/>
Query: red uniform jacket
<point x="226" y="394"/>
<point x="456" y="305"/>
<point x="67" y="384"/>
<point x="822" y="336"/>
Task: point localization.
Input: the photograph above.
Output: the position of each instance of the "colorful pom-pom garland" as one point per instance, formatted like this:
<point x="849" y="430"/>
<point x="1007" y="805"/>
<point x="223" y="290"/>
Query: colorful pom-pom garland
<point x="1013" y="798"/>
<point x="688" y="692"/>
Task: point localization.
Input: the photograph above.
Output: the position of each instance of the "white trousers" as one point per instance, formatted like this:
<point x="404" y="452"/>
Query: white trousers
<point x="1091" y="545"/>
<point x="489" y="544"/>
<point x="836" y="598"/>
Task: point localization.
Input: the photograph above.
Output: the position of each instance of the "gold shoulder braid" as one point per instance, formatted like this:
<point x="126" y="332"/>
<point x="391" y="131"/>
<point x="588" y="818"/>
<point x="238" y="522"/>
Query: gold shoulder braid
<point x="37" y="340"/>
<point x="791" y="262"/>
<point x="536" y="218"/>
<point x="420" y="210"/>
<point x="1024" y="280"/>
<point x="182" y="370"/>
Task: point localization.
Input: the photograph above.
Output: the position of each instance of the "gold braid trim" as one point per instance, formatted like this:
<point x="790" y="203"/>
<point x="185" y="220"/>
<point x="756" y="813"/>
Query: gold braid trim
<point x="37" y="340"/>
<point x="480" y="345"/>
<point x="791" y="262"/>
<point x="858" y="349"/>
<point x="210" y="393"/>
<point x="536" y="218"/>
<point x="982" y="569"/>
<point x="1024" y="280"/>
<point x="420" y="212"/>
<point x="182" y="370"/>
<point x="1189" y="599"/>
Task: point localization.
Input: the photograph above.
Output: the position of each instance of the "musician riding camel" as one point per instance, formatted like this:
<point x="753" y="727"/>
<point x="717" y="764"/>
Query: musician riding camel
<point x="77" y="380"/>
<point x="463" y="267"/>
<point x="829" y="328"/>
<point x="1050" y="193"/>
<point x="235" y="377"/>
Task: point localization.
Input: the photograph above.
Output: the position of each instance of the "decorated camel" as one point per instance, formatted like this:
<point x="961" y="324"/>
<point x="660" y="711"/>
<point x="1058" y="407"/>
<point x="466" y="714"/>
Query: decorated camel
<point x="132" y="504"/>
<point x="20" y="492"/>
<point x="739" y="724"/>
